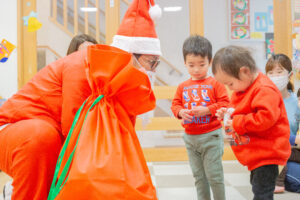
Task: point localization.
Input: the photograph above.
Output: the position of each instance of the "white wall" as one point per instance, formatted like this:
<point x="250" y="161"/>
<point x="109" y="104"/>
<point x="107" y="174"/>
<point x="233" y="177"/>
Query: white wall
<point x="8" y="31"/>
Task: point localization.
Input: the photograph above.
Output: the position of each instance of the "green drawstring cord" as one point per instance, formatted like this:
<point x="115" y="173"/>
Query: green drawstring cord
<point x="57" y="187"/>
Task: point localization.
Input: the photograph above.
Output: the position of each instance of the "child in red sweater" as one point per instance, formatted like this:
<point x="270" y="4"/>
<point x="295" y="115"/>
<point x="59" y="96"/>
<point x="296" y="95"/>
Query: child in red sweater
<point x="195" y="102"/>
<point x="259" y="113"/>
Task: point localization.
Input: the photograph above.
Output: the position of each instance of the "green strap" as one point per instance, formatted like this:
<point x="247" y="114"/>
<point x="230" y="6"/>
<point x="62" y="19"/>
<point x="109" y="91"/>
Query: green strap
<point x="56" y="187"/>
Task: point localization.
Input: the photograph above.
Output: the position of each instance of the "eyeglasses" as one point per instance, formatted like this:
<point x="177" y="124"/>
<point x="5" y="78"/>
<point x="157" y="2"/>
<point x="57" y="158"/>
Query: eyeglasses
<point x="152" y="63"/>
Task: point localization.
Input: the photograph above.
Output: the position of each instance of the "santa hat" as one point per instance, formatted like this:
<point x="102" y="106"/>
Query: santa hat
<point x="136" y="33"/>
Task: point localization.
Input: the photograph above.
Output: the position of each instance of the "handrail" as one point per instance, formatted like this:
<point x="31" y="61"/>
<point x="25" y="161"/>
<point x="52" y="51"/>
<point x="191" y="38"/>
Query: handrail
<point x="160" y="80"/>
<point x="50" y="49"/>
<point x="127" y="2"/>
<point x="171" y="65"/>
<point x="81" y="18"/>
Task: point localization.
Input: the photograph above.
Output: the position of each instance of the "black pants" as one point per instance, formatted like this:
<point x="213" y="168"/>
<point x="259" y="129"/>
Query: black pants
<point x="263" y="182"/>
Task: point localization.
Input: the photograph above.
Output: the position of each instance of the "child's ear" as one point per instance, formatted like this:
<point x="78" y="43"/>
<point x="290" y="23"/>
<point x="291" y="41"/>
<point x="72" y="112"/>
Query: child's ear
<point x="245" y="70"/>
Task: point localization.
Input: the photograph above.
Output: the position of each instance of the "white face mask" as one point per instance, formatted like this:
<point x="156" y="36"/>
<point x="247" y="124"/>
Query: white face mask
<point x="146" y="117"/>
<point x="150" y="74"/>
<point x="280" y="81"/>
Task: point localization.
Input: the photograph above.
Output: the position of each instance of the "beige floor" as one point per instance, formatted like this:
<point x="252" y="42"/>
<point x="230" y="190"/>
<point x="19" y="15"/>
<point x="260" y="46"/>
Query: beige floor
<point x="174" y="180"/>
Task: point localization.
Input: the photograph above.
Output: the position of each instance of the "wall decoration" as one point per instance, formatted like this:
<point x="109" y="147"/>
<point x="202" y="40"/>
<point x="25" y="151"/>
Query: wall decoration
<point x="256" y="35"/>
<point x="296" y="48"/>
<point x="250" y="19"/>
<point x="26" y="18"/>
<point x="5" y="50"/>
<point x="240" y="5"/>
<point x="269" y="37"/>
<point x="32" y="22"/>
<point x="261" y="22"/>
<point x="240" y="32"/>
<point x="240" y="19"/>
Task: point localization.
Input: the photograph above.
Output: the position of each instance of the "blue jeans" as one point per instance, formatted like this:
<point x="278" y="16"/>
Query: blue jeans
<point x="292" y="179"/>
<point x="205" y="153"/>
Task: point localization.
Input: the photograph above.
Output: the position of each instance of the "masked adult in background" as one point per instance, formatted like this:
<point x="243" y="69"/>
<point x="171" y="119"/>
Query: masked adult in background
<point x="35" y="121"/>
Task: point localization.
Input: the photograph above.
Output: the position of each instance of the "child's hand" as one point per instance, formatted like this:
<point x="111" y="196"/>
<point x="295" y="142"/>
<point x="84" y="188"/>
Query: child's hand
<point x="199" y="111"/>
<point x="220" y="113"/>
<point x="229" y="125"/>
<point x="186" y="115"/>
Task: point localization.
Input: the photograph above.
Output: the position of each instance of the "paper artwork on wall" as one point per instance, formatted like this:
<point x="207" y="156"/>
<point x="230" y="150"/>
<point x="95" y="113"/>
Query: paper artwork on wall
<point x="5" y="50"/>
<point x="240" y="32"/>
<point x="269" y="37"/>
<point x="26" y="18"/>
<point x="249" y="20"/>
<point x="32" y="22"/>
<point x="256" y="35"/>
<point x="261" y="22"/>
<point x="240" y="19"/>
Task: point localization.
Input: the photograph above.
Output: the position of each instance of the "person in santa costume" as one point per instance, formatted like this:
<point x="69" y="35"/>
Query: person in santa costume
<point x="35" y="121"/>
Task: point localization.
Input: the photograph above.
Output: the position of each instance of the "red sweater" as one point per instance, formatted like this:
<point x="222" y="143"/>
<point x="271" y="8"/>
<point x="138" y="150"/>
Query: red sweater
<point x="207" y="92"/>
<point x="260" y="113"/>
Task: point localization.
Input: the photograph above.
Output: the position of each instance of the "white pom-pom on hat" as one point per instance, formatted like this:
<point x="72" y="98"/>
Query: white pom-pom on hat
<point x="155" y="12"/>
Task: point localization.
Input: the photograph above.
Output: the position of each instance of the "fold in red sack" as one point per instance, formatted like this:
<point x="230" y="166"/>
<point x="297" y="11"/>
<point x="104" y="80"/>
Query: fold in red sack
<point x="102" y="157"/>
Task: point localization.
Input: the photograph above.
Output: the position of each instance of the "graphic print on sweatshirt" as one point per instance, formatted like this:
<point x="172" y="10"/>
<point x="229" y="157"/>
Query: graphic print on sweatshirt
<point x="195" y="95"/>
<point x="205" y="96"/>
<point x="191" y="97"/>
<point x="186" y="96"/>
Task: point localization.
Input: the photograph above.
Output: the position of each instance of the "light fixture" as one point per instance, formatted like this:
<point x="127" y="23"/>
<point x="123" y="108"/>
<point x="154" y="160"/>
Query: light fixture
<point x="88" y="9"/>
<point x="172" y="9"/>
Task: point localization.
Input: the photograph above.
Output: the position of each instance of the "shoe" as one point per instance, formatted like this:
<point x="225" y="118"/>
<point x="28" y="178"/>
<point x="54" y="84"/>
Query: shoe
<point x="7" y="191"/>
<point x="279" y="189"/>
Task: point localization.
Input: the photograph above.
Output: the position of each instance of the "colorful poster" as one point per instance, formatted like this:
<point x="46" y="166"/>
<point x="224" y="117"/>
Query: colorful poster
<point x="261" y="22"/>
<point x="240" y="32"/>
<point x="240" y="19"/>
<point x="240" y="5"/>
<point x="269" y="37"/>
<point x="5" y="50"/>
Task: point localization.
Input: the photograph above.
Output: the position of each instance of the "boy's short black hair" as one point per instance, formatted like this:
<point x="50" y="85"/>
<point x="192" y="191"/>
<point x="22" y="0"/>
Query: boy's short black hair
<point x="197" y="45"/>
<point x="298" y="93"/>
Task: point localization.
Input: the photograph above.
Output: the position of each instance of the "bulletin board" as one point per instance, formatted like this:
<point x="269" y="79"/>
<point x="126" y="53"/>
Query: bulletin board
<point x="250" y="20"/>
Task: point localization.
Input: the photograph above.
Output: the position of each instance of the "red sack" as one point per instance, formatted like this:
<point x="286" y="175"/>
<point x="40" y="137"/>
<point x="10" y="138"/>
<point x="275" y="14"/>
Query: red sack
<point x="102" y="157"/>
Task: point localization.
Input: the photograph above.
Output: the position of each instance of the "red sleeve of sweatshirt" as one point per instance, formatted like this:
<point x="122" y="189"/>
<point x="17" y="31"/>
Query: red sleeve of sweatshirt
<point x="266" y="114"/>
<point x="177" y="103"/>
